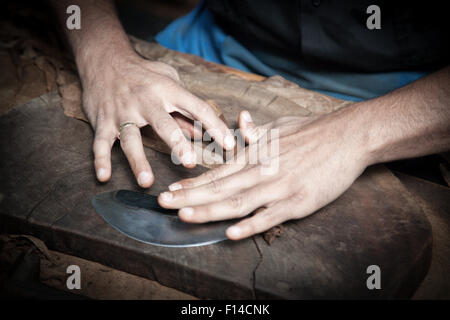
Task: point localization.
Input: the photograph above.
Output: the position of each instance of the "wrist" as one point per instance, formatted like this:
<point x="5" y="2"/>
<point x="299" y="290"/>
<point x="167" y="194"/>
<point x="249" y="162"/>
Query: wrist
<point x="101" y="61"/>
<point x="371" y="142"/>
<point x="98" y="50"/>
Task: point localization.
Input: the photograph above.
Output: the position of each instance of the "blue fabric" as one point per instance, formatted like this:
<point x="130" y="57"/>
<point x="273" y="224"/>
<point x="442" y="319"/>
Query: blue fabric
<point x="197" y="33"/>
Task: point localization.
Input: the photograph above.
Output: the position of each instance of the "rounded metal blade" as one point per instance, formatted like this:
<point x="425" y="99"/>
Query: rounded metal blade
<point x="139" y="216"/>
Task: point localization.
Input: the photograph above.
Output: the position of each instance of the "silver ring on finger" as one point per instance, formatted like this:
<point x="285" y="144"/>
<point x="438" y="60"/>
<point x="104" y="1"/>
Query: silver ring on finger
<point x="124" y="125"/>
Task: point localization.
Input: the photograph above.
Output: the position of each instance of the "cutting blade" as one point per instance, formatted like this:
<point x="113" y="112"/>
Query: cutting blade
<point x="139" y="216"/>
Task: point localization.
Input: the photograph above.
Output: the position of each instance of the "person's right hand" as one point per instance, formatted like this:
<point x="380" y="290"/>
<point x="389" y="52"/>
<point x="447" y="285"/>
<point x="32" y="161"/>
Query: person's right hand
<point x="129" y="89"/>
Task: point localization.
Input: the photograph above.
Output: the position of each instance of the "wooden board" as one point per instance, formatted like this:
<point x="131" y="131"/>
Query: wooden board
<point x="435" y="202"/>
<point x="47" y="182"/>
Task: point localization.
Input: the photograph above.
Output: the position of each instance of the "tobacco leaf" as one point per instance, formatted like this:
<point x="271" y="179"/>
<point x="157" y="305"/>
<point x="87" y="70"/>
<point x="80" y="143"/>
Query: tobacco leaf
<point x="273" y="233"/>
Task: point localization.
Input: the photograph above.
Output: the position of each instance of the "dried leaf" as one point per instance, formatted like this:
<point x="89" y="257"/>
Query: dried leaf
<point x="49" y="71"/>
<point x="71" y="101"/>
<point x="273" y="233"/>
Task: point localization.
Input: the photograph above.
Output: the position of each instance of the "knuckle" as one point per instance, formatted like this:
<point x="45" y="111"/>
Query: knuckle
<point x="204" y="214"/>
<point x="129" y="134"/>
<point x="216" y="186"/>
<point x="295" y="201"/>
<point x="141" y="163"/>
<point x="98" y="162"/>
<point x="163" y="85"/>
<point x="212" y="175"/>
<point x="171" y="84"/>
<point x="170" y="69"/>
<point x="165" y="69"/>
<point x="187" y="183"/>
<point x="300" y="195"/>
<point x="204" y="108"/>
<point x="172" y="73"/>
<point x="100" y="116"/>
<point x="103" y="119"/>
<point x="251" y="228"/>
<point x="95" y="147"/>
<point x="126" y="143"/>
<point x="161" y="123"/>
<point x="99" y="144"/>
<point x="100" y="154"/>
<point x="181" y="194"/>
<point x="236" y="202"/>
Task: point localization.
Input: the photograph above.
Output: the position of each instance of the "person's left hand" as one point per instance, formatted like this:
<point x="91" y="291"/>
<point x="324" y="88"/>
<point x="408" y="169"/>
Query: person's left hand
<point x="318" y="159"/>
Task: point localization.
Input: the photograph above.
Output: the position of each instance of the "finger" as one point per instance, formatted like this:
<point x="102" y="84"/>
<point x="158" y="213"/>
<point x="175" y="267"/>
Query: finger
<point x="187" y="126"/>
<point x="285" y="126"/>
<point x="204" y="113"/>
<point x="249" y="130"/>
<point x="216" y="190"/>
<point x="281" y="211"/>
<point x="260" y="222"/>
<point x="247" y="126"/>
<point x="169" y="131"/>
<point x="131" y="144"/>
<point x="103" y="141"/>
<point x="230" y="167"/>
<point x="210" y="175"/>
<point x="235" y="206"/>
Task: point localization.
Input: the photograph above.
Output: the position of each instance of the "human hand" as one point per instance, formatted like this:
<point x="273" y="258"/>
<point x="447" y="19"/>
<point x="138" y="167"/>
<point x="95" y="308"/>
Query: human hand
<point x="318" y="159"/>
<point x="128" y="89"/>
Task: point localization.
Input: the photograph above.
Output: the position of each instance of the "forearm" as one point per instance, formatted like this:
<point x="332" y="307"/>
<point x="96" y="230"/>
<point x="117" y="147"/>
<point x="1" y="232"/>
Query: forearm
<point x="409" y="122"/>
<point x="101" y="38"/>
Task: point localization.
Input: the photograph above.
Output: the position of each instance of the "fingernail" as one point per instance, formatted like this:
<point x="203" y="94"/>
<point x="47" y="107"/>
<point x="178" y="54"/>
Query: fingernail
<point x="189" y="158"/>
<point x="144" y="178"/>
<point x="234" y="232"/>
<point x="247" y="117"/>
<point x="175" y="187"/>
<point x="229" y="141"/>
<point x="101" y="173"/>
<point x="187" y="212"/>
<point x="166" y="196"/>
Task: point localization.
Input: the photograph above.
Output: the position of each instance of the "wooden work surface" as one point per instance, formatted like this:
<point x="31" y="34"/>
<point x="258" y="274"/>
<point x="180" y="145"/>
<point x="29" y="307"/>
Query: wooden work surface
<point x="47" y="182"/>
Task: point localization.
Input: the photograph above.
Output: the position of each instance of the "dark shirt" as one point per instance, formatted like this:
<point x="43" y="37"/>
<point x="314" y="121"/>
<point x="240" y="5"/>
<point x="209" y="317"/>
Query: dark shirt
<point x="332" y="34"/>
